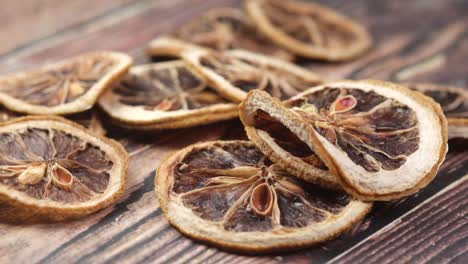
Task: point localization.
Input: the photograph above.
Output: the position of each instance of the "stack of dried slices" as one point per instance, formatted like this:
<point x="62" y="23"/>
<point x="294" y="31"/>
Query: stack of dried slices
<point x="320" y="152"/>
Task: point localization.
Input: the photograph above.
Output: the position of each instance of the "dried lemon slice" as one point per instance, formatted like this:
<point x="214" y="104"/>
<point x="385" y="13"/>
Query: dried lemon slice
<point x="220" y="29"/>
<point x="165" y="95"/>
<point x="234" y="73"/>
<point x="67" y="87"/>
<point x="229" y="194"/>
<point x="454" y="102"/>
<point x="309" y="29"/>
<point x="53" y="169"/>
<point x="382" y="140"/>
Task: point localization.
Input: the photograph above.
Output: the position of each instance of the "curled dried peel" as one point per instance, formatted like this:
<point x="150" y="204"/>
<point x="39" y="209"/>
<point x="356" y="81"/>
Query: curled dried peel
<point x="219" y="29"/>
<point x="387" y="143"/>
<point x="234" y="73"/>
<point x="229" y="194"/>
<point x="66" y="87"/>
<point x="52" y="169"/>
<point x="165" y="95"/>
<point x="309" y="29"/>
<point x="454" y="103"/>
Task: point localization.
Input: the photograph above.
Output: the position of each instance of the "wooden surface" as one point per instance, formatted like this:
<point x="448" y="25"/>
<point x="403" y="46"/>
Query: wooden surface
<point x="425" y="40"/>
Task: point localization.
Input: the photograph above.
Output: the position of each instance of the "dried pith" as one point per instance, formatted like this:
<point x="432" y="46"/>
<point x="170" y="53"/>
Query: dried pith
<point x="381" y="140"/>
<point x="165" y="95"/>
<point x="221" y="29"/>
<point x="66" y="87"/>
<point x="309" y="29"/>
<point x="454" y="103"/>
<point x="231" y="195"/>
<point x="234" y="73"/>
<point x="52" y="169"/>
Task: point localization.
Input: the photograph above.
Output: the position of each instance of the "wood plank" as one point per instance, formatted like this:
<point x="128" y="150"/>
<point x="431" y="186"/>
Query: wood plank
<point x="135" y="230"/>
<point x="29" y="20"/>
<point x="434" y="232"/>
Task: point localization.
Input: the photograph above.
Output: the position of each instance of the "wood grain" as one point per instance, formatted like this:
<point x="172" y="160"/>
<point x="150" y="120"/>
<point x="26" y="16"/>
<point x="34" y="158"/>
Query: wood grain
<point x="434" y="232"/>
<point x="28" y="20"/>
<point x="432" y="48"/>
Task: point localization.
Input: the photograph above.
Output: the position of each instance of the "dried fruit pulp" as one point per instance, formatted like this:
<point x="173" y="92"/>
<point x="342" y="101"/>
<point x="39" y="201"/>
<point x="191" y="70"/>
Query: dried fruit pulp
<point x="229" y="194"/>
<point x="369" y="133"/>
<point x="234" y="73"/>
<point x="53" y="169"/>
<point x="224" y="29"/>
<point x="165" y="95"/>
<point x="309" y="29"/>
<point x="454" y="102"/>
<point x="66" y="87"/>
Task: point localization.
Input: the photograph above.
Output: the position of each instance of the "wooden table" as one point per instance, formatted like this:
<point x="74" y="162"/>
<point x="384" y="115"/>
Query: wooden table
<point x="424" y="40"/>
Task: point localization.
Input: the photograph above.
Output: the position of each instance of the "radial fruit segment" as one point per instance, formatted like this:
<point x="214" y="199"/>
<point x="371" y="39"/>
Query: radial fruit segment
<point x="234" y="73"/>
<point x="231" y="195"/>
<point x="66" y="87"/>
<point x="165" y="95"/>
<point x="53" y="169"/>
<point x="309" y="29"/>
<point x="382" y="140"/>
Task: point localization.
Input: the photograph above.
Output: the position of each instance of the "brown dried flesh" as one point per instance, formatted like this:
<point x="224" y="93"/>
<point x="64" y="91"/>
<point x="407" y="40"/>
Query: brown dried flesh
<point x="309" y="29"/>
<point x="50" y="164"/>
<point x="376" y="132"/>
<point x="163" y="94"/>
<point x="225" y="29"/>
<point x="236" y="188"/>
<point x="59" y="86"/>
<point x="454" y="101"/>
<point x="242" y="72"/>
<point x="167" y="89"/>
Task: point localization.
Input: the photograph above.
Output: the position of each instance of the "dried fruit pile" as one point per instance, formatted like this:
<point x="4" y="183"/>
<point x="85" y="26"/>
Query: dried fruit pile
<point x="319" y="152"/>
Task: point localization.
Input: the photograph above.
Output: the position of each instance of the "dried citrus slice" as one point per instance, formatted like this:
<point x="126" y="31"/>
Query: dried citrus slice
<point x="454" y="102"/>
<point x="229" y="194"/>
<point x="165" y="95"/>
<point x="221" y="29"/>
<point x="53" y="169"/>
<point x="381" y="140"/>
<point x="309" y="29"/>
<point x="234" y="73"/>
<point x="70" y="86"/>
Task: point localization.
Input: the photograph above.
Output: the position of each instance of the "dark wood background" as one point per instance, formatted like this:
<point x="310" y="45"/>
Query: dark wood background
<point x="423" y="40"/>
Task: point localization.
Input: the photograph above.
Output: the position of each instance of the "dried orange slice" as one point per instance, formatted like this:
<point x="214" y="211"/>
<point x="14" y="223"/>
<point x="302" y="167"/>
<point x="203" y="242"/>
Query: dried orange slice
<point x="70" y="86"/>
<point x="381" y="140"/>
<point x="309" y="29"/>
<point x="165" y="95"/>
<point x="220" y="29"/>
<point x="229" y="194"/>
<point x="53" y="169"/>
<point x="454" y="102"/>
<point x="234" y="73"/>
